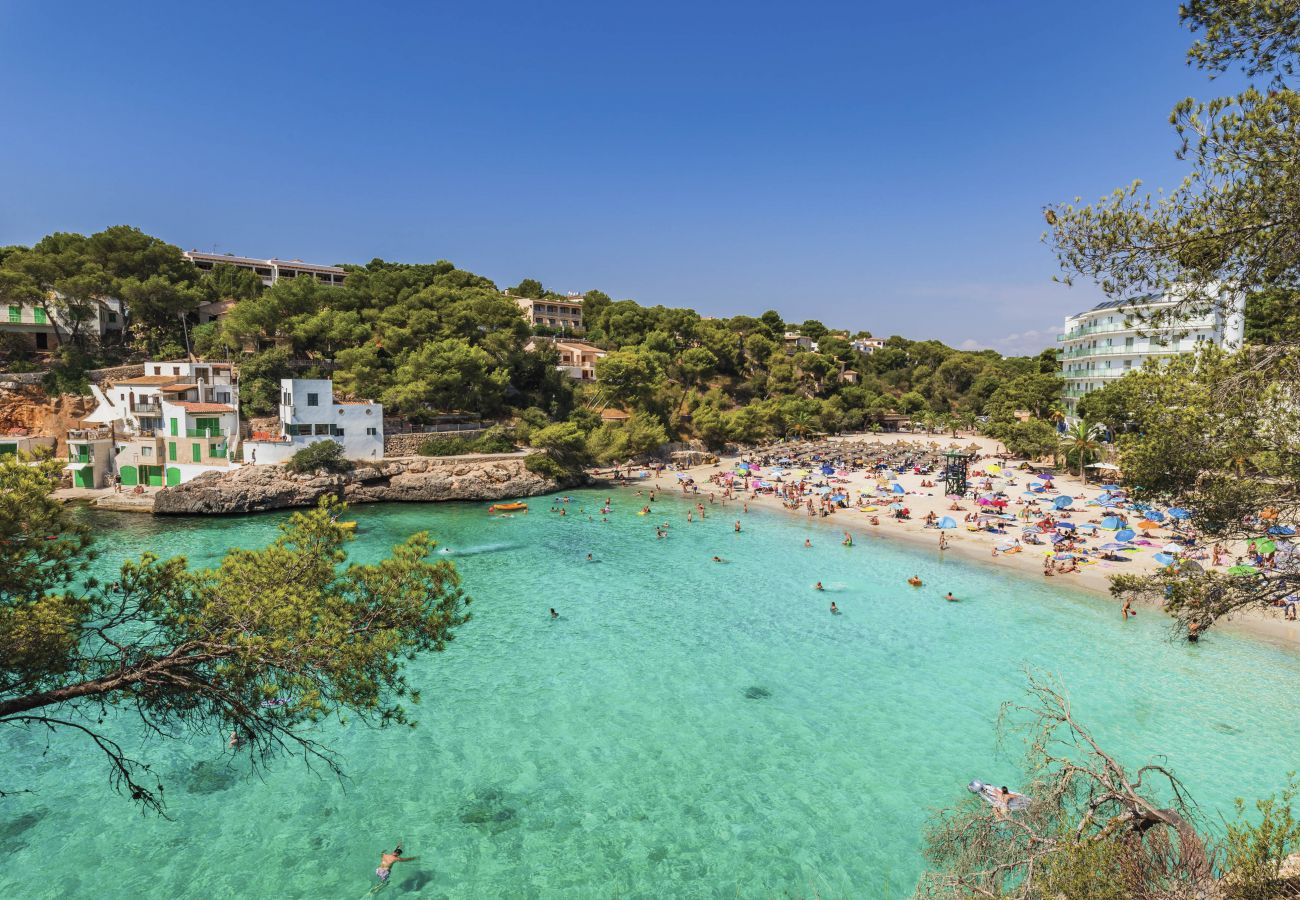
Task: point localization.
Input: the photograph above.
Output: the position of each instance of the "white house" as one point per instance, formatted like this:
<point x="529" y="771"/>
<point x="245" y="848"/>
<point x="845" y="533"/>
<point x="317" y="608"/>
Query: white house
<point x="867" y="346"/>
<point x="31" y="323"/>
<point x="309" y="413"/>
<point x="1116" y="337"/>
<point x="178" y="420"/>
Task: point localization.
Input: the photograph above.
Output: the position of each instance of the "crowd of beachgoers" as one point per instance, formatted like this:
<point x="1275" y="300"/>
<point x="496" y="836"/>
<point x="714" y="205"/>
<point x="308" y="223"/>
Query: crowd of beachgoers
<point x="1037" y="519"/>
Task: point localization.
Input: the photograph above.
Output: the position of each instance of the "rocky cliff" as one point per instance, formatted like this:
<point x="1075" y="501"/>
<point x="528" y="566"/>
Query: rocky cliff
<point x="29" y="410"/>
<point x="415" y="479"/>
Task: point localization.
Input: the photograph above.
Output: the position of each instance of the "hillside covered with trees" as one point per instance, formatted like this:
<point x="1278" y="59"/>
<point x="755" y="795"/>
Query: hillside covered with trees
<point x="432" y="339"/>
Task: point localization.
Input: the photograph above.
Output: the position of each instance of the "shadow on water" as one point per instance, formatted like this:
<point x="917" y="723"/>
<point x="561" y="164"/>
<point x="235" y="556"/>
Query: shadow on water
<point x="416" y="881"/>
<point x="487" y="810"/>
<point x="10" y="830"/>
<point x="209" y="777"/>
<point x="757" y="692"/>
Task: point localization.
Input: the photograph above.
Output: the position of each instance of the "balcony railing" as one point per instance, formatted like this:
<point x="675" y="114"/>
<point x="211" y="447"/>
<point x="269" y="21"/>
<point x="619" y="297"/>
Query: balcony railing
<point x="89" y="434"/>
<point x="207" y="432"/>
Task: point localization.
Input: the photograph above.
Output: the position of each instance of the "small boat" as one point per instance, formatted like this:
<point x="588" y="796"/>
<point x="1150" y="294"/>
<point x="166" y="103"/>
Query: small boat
<point x="507" y="507"/>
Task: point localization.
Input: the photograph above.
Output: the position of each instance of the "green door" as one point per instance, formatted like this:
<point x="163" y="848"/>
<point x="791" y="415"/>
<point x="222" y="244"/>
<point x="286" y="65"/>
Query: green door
<point x="173" y="476"/>
<point x="197" y="449"/>
<point x="84" y="478"/>
<point x="129" y="476"/>
<point x="155" y="475"/>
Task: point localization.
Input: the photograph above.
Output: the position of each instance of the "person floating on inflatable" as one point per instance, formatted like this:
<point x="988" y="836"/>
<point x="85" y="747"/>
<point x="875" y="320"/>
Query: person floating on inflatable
<point x="1003" y="800"/>
<point x="915" y="581"/>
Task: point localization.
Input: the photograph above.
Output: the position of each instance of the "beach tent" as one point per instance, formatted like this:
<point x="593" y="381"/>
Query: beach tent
<point x="1178" y="512"/>
<point x="1164" y="559"/>
<point x="947" y="522"/>
<point x="1112" y="523"/>
<point x="1061" y="503"/>
<point x="1284" y="530"/>
<point x="1065" y="526"/>
<point x="1126" y="534"/>
<point x="1242" y="570"/>
<point x="898" y="489"/>
<point x="828" y="470"/>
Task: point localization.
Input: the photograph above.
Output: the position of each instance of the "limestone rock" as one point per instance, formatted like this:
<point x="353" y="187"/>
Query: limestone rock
<point x="407" y="479"/>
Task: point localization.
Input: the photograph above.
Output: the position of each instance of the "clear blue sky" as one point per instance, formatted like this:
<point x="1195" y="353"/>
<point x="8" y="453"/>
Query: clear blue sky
<point x="875" y="165"/>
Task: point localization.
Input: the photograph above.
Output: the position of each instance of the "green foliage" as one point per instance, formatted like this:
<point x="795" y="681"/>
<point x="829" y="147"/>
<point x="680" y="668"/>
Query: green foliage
<point x="565" y="445"/>
<point x="544" y="465"/>
<point x="323" y="455"/>
<point x="1033" y="439"/>
<point x="1255" y="850"/>
<point x="197" y="651"/>
<point x="494" y="440"/>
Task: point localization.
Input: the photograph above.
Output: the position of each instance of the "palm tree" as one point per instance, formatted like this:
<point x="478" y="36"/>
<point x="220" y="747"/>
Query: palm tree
<point x="1084" y="439"/>
<point x="1056" y="415"/>
<point x="800" y="424"/>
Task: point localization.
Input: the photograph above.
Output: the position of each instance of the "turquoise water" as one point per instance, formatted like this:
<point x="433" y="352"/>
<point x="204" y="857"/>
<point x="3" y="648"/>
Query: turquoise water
<point x="685" y="729"/>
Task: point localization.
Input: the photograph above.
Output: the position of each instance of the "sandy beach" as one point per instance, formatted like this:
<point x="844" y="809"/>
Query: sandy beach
<point x="978" y="546"/>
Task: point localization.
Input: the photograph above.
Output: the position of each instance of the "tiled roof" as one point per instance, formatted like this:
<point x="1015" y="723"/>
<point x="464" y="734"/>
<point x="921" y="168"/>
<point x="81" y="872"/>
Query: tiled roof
<point x="173" y="388"/>
<point x="206" y="407"/>
<point x="151" y="380"/>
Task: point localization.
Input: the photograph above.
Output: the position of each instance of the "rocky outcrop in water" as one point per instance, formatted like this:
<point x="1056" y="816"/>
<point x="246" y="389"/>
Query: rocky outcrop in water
<point x="415" y="479"/>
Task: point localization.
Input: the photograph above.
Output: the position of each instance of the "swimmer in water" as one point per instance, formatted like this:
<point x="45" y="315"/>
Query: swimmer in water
<point x="386" y="863"/>
<point x="914" y="581"/>
<point x="835" y="610"/>
<point x="554" y="614"/>
<point x="718" y="559"/>
<point x="948" y="596"/>
<point x="807" y="542"/>
<point x="589" y="559"/>
<point x="818" y="587"/>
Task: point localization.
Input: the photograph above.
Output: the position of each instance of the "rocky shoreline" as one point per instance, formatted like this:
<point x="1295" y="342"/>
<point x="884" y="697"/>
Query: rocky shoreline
<point x="413" y="479"/>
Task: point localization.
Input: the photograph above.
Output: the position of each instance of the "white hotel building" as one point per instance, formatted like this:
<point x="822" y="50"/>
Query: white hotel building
<point x="1112" y="338"/>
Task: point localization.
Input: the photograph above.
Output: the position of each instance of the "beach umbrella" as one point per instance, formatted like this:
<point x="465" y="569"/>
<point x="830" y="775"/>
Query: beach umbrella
<point x="1057" y="538"/>
<point x="743" y="466"/>
<point x="1112" y="523"/>
<point x="1065" y="526"/>
<point x="1172" y="548"/>
<point x="1265" y="547"/>
<point x="1086" y="527"/>
<point x="1126" y="534"/>
<point x="1164" y="559"/>
<point x="1179" y="513"/>
<point x="1044" y="476"/>
<point x="896" y="506"/>
<point x="1114" y="546"/>
<point x="1155" y="515"/>
<point x="839" y="497"/>
<point x="823" y="489"/>
<point x="898" y="489"/>
<point x="1242" y="570"/>
<point x="1110" y="487"/>
<point x="1000" y="504"/>
<point x="947" y="522"/>
<point x="1284" y="530"/>
<point x="1147" y="523"/>
<point x="993" y="469"/>
<point x="828" y="470"/>
<point x="1061" y="503"/>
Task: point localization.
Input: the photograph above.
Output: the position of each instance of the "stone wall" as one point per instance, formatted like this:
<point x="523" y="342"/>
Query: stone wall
<point x="115" y="373"/>
<point x="409" y="444"/>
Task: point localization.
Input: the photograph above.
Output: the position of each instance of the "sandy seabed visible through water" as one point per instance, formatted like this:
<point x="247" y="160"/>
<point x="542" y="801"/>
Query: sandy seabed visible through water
<point x="686" y="728"/>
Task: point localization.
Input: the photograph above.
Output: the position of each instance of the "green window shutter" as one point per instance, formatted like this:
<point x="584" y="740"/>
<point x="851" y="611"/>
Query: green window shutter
<point x="40" y="315"/>
<point x="197" y="451"/>
<point x="15" y="314"/>
<point x="175" y="427"/>
<point x="171" y="450"/>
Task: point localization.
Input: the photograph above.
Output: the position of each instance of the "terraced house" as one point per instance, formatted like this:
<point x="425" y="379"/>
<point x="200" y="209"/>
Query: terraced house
<point x="177" y="420"/>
